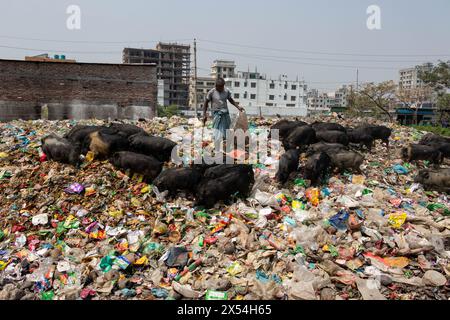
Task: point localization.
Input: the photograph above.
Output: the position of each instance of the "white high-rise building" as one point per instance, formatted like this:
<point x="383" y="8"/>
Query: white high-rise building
<point x="264" y="96"/>
<point x="223" y="69"/>
<point x="409" y="77"/>
<point x="257" y="94"/>
<point x="318" y="102"/>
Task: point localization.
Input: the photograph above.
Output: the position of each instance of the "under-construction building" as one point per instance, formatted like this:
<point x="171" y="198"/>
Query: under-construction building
<point x="173" y="67"/>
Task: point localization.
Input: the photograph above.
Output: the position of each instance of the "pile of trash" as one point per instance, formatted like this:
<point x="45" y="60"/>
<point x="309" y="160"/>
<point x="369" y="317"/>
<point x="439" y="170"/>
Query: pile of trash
<point x="98" y="233"/>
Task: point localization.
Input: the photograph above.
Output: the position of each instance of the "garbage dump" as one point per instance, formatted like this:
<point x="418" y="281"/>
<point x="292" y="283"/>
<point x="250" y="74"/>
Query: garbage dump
<point x="365" y="216"/>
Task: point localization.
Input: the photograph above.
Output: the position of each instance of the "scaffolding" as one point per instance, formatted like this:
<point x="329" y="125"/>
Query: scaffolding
<point x="173" y="62"/>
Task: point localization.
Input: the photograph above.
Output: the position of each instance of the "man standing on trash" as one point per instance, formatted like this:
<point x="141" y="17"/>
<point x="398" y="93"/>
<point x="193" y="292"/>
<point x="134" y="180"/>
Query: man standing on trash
<point x="219" y="107"/>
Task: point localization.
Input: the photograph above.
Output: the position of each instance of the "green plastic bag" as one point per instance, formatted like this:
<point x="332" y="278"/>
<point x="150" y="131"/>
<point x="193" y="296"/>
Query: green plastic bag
<point x="49" y="295"/>
<point x="300" y="182"/>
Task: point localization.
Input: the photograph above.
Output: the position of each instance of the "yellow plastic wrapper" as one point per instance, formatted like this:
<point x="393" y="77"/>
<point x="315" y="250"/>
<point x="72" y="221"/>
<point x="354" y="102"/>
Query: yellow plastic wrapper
<point x="142" y="261"/>
<point x="135" y="202"/>
<point x="358" y="179"/>
<point x="160" y="229"/>
<point x="89" y="192"/>
<point x="297" y="205"/>
<point x="146" y="189"/>
<point x="138" y="177"/>
<point x="117" y="214"/>
<point x="3" y="155"/>
<point x="234" y="269"/>
<point x="4" y="264"/>
<point x="396" y="220"/>
<point x="396" y="262"/>
<point x="90" y="156"/>
<point x="354" y="264"/>
<point x="313" y="196"/>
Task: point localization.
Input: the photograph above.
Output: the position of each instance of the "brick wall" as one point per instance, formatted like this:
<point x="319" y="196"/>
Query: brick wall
<point x="72" y="87"/>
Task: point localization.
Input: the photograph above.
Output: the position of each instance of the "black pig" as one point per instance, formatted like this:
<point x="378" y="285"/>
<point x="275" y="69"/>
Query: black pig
<point x="438" y="180"/>
<point x="61" y="150"/>
<point x="158" y="147"/>
<point x="178" y="179"/>
<point x="325" y="147"/>
<point x="137" y="163"/>
<point x="322" y="126"/>
<point x="288" y="164"/>
<point x="211" y="191"/>
<point x="347" y="160"/>
<point x="421" y="152"/>
<point x="317" y="167"/>
<point x="332" y="137"/>
<point x="300" y="137"/>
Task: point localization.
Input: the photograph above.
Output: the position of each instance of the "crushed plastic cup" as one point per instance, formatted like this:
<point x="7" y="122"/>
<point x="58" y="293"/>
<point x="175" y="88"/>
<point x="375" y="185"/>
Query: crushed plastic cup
<point x="40" y="219"/>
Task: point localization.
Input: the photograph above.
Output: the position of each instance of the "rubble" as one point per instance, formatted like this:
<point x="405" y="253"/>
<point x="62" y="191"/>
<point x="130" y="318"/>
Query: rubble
<point x="97" y="233"/>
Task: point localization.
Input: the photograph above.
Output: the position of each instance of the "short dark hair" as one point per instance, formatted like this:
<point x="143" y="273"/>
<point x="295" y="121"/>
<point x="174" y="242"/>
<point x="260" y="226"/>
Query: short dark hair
<point x="220" y="82"/>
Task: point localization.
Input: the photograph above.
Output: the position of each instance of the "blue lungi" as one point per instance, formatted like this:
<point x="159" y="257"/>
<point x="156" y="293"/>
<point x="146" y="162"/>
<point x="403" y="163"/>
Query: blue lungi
<point x="221" y="123"/>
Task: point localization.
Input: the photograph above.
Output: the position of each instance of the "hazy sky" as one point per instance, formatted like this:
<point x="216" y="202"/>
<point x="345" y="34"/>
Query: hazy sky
<point x="308" y="39"/>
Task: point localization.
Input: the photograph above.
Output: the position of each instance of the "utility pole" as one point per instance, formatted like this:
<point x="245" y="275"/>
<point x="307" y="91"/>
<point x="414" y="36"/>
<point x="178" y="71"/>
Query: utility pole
<point x="195" y="78"/>
<point x="357" y="80"/>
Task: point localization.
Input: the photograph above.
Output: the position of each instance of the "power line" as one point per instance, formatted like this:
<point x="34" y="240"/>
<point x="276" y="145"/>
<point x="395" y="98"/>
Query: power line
<point x="60" y="50"/>
<point x="90" y="41"/>
<point x="299" y="63"/>
<point x="326" y="53"/>
<point x="338" y="60"/>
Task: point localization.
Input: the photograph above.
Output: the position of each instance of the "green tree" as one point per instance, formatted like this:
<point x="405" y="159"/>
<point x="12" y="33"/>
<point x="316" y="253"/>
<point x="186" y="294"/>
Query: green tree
<point x="438" y="78"/>
<point x="168" y="111"/>
<point x="375" y="98"/>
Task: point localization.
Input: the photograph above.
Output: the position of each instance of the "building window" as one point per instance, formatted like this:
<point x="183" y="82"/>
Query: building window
<point x="269" y="104"/>
<point x="236" y="95"/>
<point x="245" y="95"/>
<point x="272" y="97"/>
<point x="285" y="97"/>
<point x="293" y="98"/>
<point x="253" y="96"/>
<point x="294" y="87"/>
<point x="290" y="105"/>
<point x="237" y="84"/>
<point x="272" y="86"/>
<point x="245" y="84"/>
<point x="285" y="86"/>
<point x="253" y="84"/>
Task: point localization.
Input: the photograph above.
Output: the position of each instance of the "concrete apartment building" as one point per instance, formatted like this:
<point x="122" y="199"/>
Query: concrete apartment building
<point x="223" y="69"/>
<point x="263" y="96"/>
<point x="336" y="101"/>
<point x="219" y="68"/>
<point x="173" y="62"/>
<point x="55" y="90"/>
<point x="204" y="84"/>
<point x="420" y="108"/>
<point x="409" y="77"/>
<point x="259" y="95"/>
<point x="317" y="103"/>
